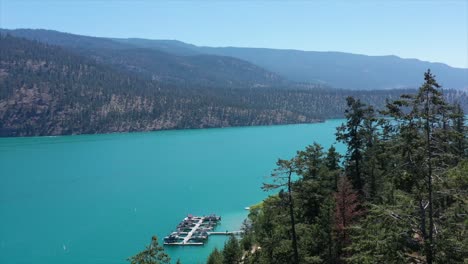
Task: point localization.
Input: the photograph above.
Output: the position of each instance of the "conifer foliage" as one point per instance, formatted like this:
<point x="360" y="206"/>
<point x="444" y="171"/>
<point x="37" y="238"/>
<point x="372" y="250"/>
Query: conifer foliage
<point x="347" y="208"/>
<point x="153" y="254"/>
<point x="399" y="196"/>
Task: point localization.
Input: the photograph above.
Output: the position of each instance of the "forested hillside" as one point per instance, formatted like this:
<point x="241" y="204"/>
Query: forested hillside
<point x="335" y="69"/>
<point x="251" y="66"/>
<point x="346" y="70"/>
<point x="199" y="69"/>
<point x="399" y="196"/>
<point x="48" y="90"/>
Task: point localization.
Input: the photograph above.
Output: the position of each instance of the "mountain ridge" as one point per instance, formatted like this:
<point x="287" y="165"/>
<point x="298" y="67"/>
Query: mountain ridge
<point x="329" y="68"/>
<point x="193" y="48"/>
<point x="199" y="69"/>
<point x="107" y="87"/>
<point x="50" y="90"/>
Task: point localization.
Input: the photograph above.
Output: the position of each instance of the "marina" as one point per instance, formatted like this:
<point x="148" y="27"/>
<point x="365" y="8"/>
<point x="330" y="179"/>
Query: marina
<point x="195" y="230"/>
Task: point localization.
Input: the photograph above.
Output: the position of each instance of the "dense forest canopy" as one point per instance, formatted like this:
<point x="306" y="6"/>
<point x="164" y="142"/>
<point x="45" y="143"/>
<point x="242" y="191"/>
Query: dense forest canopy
<point x="400" y="195"/>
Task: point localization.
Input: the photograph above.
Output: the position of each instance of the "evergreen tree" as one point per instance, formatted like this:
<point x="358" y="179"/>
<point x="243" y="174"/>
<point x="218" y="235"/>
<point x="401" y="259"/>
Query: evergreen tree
<point x="326" y="223"/>
<point x="380" y="237"/>
<point x="452" y="232"/>
<point x="282" y="178"/>
<point x="153" y="254"/>
<point x="333" y="159"/>
<point x="332" y="162"/>
<point x="346" y="209"/>
<point x="351" y="134"/>
<point x="310" y="160"/>
<point x="372" y="150"/>
<point x="460" y="142"/>
<point x="426" y="135"/>
<point x="232" y="252"/>
<point x="431" y="98"/>
<point x="215" y="257"/>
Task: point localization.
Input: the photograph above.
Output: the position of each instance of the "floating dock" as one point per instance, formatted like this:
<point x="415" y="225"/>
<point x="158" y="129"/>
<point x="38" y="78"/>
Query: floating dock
<point x="195" y="230"/>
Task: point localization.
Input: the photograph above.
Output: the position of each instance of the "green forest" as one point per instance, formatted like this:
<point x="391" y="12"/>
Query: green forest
<point x="52" y="90"/>
<point x="398" y="195"/>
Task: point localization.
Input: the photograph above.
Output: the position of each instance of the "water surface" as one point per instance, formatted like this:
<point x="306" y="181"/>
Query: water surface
<point x="99" y="198"/>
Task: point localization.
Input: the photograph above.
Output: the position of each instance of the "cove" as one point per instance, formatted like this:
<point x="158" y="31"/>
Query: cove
<point x="99" y="198"/>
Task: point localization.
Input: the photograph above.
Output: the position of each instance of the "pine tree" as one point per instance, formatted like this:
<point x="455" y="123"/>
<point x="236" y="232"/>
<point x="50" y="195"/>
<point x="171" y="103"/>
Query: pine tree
<point x="425" y="138"/>
<point x="370" y="128"/>
<point x="153" y="254"/>
<point x="216" y="257"/>
<point x="325" y="221"/>
<point x="432" y="104"/>
<point x="346" y="210"/>
<point x="282" y="178"/>
<point x="379" y="237"/>
<point x="232" y="252"/>
<point x="310" y="161"/>
<point x="460" y="143"/>
<point x="351" y="134"/>
<point x="333" y="159"/>
<point x="332" y="162"/>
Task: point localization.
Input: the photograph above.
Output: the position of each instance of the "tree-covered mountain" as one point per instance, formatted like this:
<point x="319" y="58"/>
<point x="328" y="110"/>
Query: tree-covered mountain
<point x="336" y="69"/>
<point x="199" y="69"/>
<point x="51" y="90"/>
<point x="345" y="70"/>
<point x="333" y="69"/>
<point x="47" y="90"/>
<point x="370" y="72"/>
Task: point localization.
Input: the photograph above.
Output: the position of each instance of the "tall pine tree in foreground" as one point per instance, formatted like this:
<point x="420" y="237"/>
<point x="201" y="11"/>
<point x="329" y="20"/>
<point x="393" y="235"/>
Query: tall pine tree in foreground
<point x="282" y="177"/>
<point x="425" y="136"/>
<point x="351" y="134"/>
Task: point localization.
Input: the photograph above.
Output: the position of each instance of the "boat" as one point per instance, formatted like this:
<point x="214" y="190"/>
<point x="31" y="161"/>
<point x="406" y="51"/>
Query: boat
<point x="171" y="239"/>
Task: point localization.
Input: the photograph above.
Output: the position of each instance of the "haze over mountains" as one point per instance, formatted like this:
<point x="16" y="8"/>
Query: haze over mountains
<point x="204" y="70"/>
<point x="54" y="83"/>
<point x="334" y="69"/>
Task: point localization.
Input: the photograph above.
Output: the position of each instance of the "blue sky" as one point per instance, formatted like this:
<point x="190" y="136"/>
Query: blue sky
<point x="430" y="30"/>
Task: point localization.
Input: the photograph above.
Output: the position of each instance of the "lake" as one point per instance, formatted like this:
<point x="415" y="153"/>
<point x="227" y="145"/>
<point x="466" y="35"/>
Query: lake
<point x="99" y="198"/>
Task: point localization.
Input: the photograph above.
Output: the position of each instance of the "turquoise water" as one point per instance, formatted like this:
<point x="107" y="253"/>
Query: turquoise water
<point x="99" y="198"/>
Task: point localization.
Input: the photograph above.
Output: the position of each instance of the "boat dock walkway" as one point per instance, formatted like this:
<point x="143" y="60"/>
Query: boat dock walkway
<point x="195" y="230"/>
<point x="190" y="234"/>
<point x="227" y="233"/>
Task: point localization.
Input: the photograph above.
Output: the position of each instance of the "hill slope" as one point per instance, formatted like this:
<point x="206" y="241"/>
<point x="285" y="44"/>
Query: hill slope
<point x="199" y="69"/>
<point x="253" y="66"/>
<point x="51" y="90"/>
<point x="336" y="69"/>
<point x="47" y="90"/>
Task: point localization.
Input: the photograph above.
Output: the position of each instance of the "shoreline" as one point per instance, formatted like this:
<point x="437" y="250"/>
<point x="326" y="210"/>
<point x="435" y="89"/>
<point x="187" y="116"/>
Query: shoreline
<point x="168" y="130"/>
